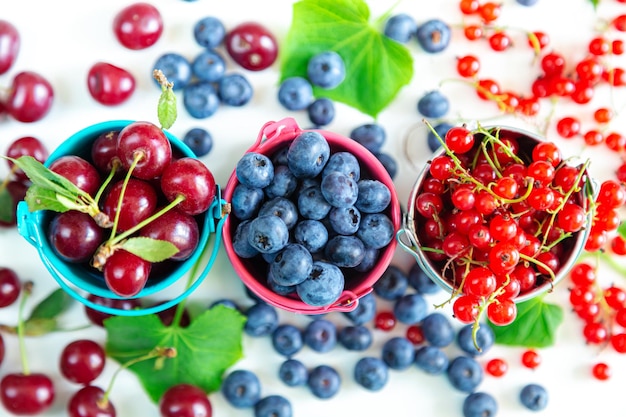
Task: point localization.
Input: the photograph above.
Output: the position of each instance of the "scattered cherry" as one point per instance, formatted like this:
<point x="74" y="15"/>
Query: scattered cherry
<point x="26" y="394"/>
<point x="82" y="361"/>
<point x="9" y="45"/>
<point x="185" y="400"/>
<point x="109" y="84"/>
<point x="30" y="97"/>
<point x="10" y="286"/>
<point x="138" y="26"/>
<point x="90" y="401"/>
<point x="252" y="46"/>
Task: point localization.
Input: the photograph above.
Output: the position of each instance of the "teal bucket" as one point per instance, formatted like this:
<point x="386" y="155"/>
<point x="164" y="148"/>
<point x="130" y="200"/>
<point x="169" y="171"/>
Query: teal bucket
<point x="81" y="280"/>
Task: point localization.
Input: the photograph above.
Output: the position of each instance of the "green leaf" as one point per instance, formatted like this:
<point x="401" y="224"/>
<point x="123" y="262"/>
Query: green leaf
<point x="47" y="179"/>
<point x="166" y="110"/>
<point x="535" y="325"/>
<point x="56" y="303"/>
<point x="621" y="229"/>
<point x="595" y="3"/>
<point x="40" y="326"/>
<point x="205" y="350"/>
<point x="39" y="198"/>
<point x="152" y="250"/>
<point x="376" y="66"/>
<point x="7" y="214"/>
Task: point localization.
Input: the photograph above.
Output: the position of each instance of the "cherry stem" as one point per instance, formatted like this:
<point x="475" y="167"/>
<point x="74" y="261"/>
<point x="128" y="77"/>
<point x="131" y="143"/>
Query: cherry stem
<point x="106" y="182"/>
<point x="136" y="160"/>
<point x="158" y="353"/>
<point x="27" y="289"/>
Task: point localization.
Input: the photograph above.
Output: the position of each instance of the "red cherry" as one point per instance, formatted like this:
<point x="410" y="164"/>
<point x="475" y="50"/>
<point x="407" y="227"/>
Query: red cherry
<point x="29" y="394"/>
<point x="10" y="286"/>
<point x="82" y="361"/>
<point x="126" y="274"/>
<point x="146" y="141"/>
<point x="88" y="402"/>
<point x="9" y="45"/>
<point x="26" y="145"/>
<point x="110" y="85"/>
<point x="138" y="26"/>
<point x="78" y="171"/>
<point x="184" y="400"/>
<point x="252" y="46"/>
<point x="176" y="227"/>
<point x="190" y="178"/>
<point x="30" y="97"/>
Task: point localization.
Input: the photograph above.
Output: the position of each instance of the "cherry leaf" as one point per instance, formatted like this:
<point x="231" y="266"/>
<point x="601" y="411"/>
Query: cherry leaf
<point x="56" y="303"/>
<point x="39" y="198"/>
<point x="621" y="229"/>
<point x="7" y="214"/>
<point x="47" y="179"/>
<point x="204" y="350"/>
<point x="377" y="67"/>
<point x="535" y="326"/>
<point x="151" y="250"/>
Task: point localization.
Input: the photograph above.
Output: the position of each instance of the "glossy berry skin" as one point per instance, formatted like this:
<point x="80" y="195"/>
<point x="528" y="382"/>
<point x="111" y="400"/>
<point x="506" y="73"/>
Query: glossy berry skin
<point x="200" y="99"/>
<point x="293" y="373"/>
<point x="209" y="32"/>
<point x="273" y="406"/>
<point x="261" y="320"/>
<point x="465" y="373"/>
<point x="138" y="26"/>
<point x="324" y="381"/>
<point x="208" y="66"/>
<point x="401" y="27"/>
<point x="398" y="353"/>
<point x="431" y="359"/>
<point x="9" y="45"/>
<point x="371" y="135"/>
<point x="325" y="288"/>
<point x="86" y="402"/>
<point x="252" y="46"/>
<point x="241" y="388"/>
<point x="26" y="394"/>
<point x="104" y="151"/>
<point x="321" y="111"/>
<point x="190" y="178"/>
<point x="355" y="338"/>
<point x="433" y="35"/>
<point x="26" y="145"/>
<point x="199" y="141"/>
<point x="138" y="203"/>
<point x="326" y="69"/>
<point x="82" y="361"/>
<point x="109" y="84"/>
<point x="534" y="397"/>
<point x="126" y="274"/>
<point x="79" y="171"/>
<point x="148" y="142"/>
<point x="433" y="104"/>
<point x="176" y="68"/>
<point x="74" y="236"/>
<point x="234" y="90"/>
<point x="320" y="335"/>
<point x="479" y="404"/>
<point x="175" y="227"/>
<point x="295" y="93"/>
<point x="371" y="373"/>
<point x="10" y="286"/>
<point x="185" y="400"/>
<point x="30" y="97"/>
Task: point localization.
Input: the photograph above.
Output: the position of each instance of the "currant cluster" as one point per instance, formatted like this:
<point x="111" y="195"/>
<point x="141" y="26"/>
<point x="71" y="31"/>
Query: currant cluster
<point x="497" y="215"/>
<point x="136" y="187"/>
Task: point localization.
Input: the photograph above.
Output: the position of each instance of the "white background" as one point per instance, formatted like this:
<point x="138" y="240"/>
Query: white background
<point x="63" y="48"/>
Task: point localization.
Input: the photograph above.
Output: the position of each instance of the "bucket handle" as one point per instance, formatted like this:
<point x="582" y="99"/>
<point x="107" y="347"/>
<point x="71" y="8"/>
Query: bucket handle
<point x="32" y="235"/>
<point x="287" y="127"/>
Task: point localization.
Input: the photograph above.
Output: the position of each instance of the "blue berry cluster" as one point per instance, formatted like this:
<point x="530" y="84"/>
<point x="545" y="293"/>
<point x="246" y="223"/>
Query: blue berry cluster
<point x="432" y="35"/>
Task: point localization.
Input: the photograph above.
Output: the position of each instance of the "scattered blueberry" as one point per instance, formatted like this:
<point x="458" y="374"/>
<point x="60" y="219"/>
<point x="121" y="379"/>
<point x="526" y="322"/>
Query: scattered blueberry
<point x="324" y="381"/>
<point x="261" y="320"/>
<point x="268" y="233"/>
<point x="371" y="373"/>
<point x="226" y="303"/>
<point x="480" y="404"/>
<point x="364" y="311"/>
<point x="419" y="281"/>
<point x="176" y="68"/>
<point x="254" y="170"/>
<point x="431" y="360"/>
<point x="376" y="230"/>
<point x="326" y="69"/>
<point x="389" y="163"/>
<point x="320" y="335"/>
<point x="209" y="32"/>
<point x="438" y="330"/>
<point x="410" y="308"/>
<point x="308" y="154"/>
<point x="273" y="406"/>
<point x="485" y="338"/>
<point x="356" y="338"/>
<point x="209" y="66"/>
<point x="401" y="27"/>
<point x="321" y="111"/>
<point x="441" y="129"/>
<point x="392" y="284"/>
<point x="200" y="99"/>
<point x="370" y="135"/>
<point x="527" y="3"/>
<point x="199" y="141"/>
<point x="234" y="90"/>
<point x="465" y="373"/>
<point x="246" y="201"/>
<point x="398" y="353"/>
<point x="534" y="397"/>
<point x="323" y="286"/>
<point x="433" y="104"/>
<point x="433" y="35"/>
<point x="241" y="388"/>
<point x="295" y="93"/>
<point x="287" y="339"/>
<point x="312" y="234"/>
<point x="373" y="196"/>
<point x="293" y="373"/>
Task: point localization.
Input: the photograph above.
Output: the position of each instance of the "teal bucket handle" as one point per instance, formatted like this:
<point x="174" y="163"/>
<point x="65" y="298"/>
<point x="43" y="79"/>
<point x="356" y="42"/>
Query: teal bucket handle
<point x="27" y="227"/>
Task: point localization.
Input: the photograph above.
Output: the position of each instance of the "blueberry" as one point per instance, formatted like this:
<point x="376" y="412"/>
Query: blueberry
<point x="433" y="104"/>
<point x="241" y="244"/>
<point x="176" y="68"/>
<point x="326" y="69"/>
<point x="234" y="90"/>
<point x="323" y="286"/>
<point x="376" y="230"/>
<point x="293" y="373"/>
<point x="370" y="135"/>
<point x="485" y="338"/>
<point x="254" y="170"/>
<point x="371" y="373"/>
<point x="312" y="204"/>
<point x="277" y="288"/>
<point x="345" y="251"/>
<point x="209" y="66"/>
<point x="355" y="338"/>
<point x="527" y="2"/>
<point x="273" y="406"/>
<point x="398" y="353"/>
<point x="281" y="207"/>
<point x="431" y="360"/>
<point x="246" y="201"/>
<point x="421" y="282"/>
<point x="209" y="32"/>
<point x="261" y="320"/>
<point x="287" y="340"/>
<point x="364" y="311"/>
<point x="389" y="163"/>
<point x="226" y="303"/>
<point x="241" y="388"/>
<point x="438" y="330"/>
<point x="308" y="154"/>
<point x="199" y="141"/>
<point x="465" y="373"/>
<point x="401" y="27"/>
<point x="344" y="162"/>
<point x="534" y="397"/>
<point x="433" y="35"/>
<point x="321" y="111"/>
<point x="373" y="196"/>
<point x="344" y="220"/>
<point x="320" y="335"/>
<point x="369" y="260"/>
<point x="392" y="284"/>
<point x="324" y="381"/>
<point x="280" y="156"/>
<point x="339" y="189"/>
<point x="311" y="234"/>
<point x="480" y="404"/>
<point x="200" y="99"/>
<point x="283" y="184"/>
<point x="441" y="129"/>
<point x="295" y="93"/>
<point x="292" y="265"/>
<point x="268" y="233"/>
<point x="410" y="308"/>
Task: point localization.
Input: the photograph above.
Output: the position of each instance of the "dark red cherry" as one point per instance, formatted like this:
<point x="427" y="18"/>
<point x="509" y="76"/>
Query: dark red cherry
<point x="74" y="236"/>
<point x="125" y="273"/>
<point x="78" y="171"/>
<point x="184" y="400"/>
<point x="109" y="84"/>
<point x="89" y="402"/>
<point x="104" y="151"/>
<point x="9" y="45"/>
<point x="10" y="286"/>
<point x="176" y="227"/>
<point x="82" y="361"/>
<point x="97" y="317"/>
<point x="139" y="203"/>
<point x="138" y="26"/>
<point x="145" y="143"/>
<point x="30" y="97"/>
<point x="252" y="46"/>
<point x="190" y="178"/>
<point x="26" y="394"/>
<point x="26" y="146"/>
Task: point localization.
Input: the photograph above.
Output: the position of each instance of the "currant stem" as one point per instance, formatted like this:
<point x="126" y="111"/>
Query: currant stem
<point x="27" y="289"/>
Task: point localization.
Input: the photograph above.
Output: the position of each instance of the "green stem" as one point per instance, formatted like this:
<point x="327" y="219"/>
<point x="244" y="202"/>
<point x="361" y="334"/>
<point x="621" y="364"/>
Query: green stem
<point x="26" y="291"/>
<point x="136" y="160"/>
<point x="105" y="183"/>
